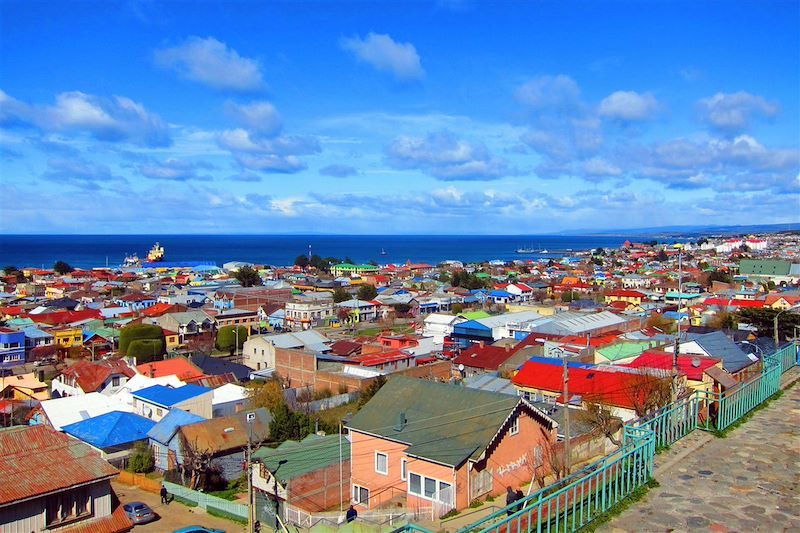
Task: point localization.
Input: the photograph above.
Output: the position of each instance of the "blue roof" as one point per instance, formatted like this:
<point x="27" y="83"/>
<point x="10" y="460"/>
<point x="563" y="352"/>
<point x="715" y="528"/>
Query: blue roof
<point x="470" y="324"/>
<point x="559" y="362"/>
<point x="166" y="428"/>
<point x="36" y="333"/>
<point x="168" y="396"/>
<point x="717" y="344"/>
<point x="111" y="429"/>
<point x="501" y="294"/>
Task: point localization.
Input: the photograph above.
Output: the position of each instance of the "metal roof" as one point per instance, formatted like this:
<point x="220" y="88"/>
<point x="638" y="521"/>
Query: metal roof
<point x="167" y="396"/>
<point x="111" y="429"/>
<point x="293" y="459"/>
<point x="166" y="428"/>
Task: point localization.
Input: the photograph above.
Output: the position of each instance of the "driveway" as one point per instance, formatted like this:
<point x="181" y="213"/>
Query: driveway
<point x="173" y="516"/>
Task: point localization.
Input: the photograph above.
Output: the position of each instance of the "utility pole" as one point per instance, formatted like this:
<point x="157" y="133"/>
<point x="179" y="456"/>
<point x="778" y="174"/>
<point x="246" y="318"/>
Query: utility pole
<point x="674" y="395"/>
<point x="567" y="447"/>
<point x="250" y="419"/>
<point x="341" y="473"/>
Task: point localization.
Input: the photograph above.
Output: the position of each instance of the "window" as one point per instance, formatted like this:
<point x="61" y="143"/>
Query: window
<point x="415" y="484"/>
<point x="159" y="412"/>
<point x="514" y="426"/>
<point x="381" y="463"/>
<point x="403" y="469"/>
<point x="429" y="488"/>
<point x="361" y="495"/>
<point x="115" y="381"/>
<point x="67" y="507"/>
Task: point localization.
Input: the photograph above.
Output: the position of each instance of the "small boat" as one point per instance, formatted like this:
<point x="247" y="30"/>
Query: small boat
<point x="383" y="252"/>
<point x="131" y="261"/>
<point x="155" y="254"/>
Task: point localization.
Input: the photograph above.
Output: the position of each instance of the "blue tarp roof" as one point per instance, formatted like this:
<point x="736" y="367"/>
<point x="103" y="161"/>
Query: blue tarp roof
<point x="501" y="294"/>
<point x="111" y="429"/>
<point x="166" y="428"/>
<point x="167" y="396"/>
<point x="559" y="362"/>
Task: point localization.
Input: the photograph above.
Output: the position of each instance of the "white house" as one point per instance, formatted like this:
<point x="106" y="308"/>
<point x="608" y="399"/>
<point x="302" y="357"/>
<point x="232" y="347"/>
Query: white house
<point x="439" y="326"/>
<point x="156" y="401"/>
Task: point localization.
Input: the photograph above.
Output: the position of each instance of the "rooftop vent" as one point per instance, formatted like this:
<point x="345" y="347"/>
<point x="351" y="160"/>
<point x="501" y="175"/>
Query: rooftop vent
<point x="401" y="422"/>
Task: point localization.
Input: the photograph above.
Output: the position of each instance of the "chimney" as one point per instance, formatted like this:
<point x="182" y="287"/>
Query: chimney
<point x="401" y="421"/>
<point x="508" y="348"/>
<point x="152" y="371"/>
<point x="481" y="344"/>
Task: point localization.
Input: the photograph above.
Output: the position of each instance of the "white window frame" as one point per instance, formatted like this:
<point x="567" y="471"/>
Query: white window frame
<point x="514" y="429"/>
<point x="356" y="495"/>
<point x="403" y="469"/>
<point x="437" y="488"/>
<point x="377" y="470"/>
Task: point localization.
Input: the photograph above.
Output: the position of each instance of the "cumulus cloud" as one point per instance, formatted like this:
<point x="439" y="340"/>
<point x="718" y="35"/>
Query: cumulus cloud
<point x="628" y="106"/>
<point x="117" y="118"/>
<point x="79" y="173"/>
<point x="213" y="63"/>
<point x="240" y="140"/>
<point x="287" y="164"/>
<point x="731" y="113"/>
<point x="386" y="55"/>
<point x="446" y="157"/>
<point x="259" y="117"/>
<point x="600" y="168"/>
<point x="338" y="171"/>
<point x="247" y="177"/>
<point x="558" y="92"/>
<point x="171" y="170"/>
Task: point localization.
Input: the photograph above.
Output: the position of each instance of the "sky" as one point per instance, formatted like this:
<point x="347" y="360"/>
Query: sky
<point x="448" y="117"/>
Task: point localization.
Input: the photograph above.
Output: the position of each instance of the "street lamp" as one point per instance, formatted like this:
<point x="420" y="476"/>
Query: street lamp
<point x="756" y="346"/>
<point x="567" y="448"/>
<point x="775" y="323"/>
<point x="342" y="423"/>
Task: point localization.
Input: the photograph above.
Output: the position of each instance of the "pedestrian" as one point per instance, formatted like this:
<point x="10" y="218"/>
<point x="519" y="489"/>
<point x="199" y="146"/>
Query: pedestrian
<point x="520" y="497"/>
<point x="164" y="495"/>
<point x="257" y="527"/>
<point x="352" y="514"/>
<point x="511" y="497"/>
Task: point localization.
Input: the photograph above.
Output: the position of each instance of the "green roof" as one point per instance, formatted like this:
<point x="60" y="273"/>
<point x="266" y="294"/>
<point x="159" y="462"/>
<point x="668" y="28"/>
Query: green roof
<point x="482" y="275"/>
<point x="623" y="350"/>
<point x="293" y="459"/>
<point x="444" y="423"/>
<point x="475" y="315"/>
<point x="764" y="267"/>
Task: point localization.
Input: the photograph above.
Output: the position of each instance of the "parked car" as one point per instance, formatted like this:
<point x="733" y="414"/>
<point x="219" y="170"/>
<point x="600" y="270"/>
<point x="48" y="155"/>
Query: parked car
<point x="197" y="529"/>
<point x="139" y="512"/>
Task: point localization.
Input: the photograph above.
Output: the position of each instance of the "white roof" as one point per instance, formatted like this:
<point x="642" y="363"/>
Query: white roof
<point x="509" y="318"/>
<point x="228" y="393"/>
<point x="70" y="409"/>
<point x="439" y="318"/>
<point x="141" y="381"/>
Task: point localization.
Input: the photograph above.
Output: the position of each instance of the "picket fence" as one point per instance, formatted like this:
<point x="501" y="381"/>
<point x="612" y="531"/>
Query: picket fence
<point x="207" y="501"/>
<point x="597" y="488"/>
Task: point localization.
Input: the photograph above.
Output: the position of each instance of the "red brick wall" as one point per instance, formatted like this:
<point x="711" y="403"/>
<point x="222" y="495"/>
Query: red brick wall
<point x="319" y="490"/>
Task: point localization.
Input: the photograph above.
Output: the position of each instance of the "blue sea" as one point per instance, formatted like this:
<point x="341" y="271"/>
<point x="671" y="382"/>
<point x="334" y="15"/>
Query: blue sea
<point x="86" y="251"/>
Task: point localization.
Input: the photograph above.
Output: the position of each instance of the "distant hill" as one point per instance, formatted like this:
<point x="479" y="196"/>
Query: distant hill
<point x="689" y="231"/>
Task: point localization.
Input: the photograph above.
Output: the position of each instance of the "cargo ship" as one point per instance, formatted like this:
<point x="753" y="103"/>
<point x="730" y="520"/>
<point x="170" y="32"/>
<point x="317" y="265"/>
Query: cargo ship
<point x="156" y="254"/>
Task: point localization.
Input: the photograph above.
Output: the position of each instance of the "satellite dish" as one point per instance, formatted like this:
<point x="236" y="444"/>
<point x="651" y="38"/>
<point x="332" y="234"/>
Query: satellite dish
<point x="695" y="362"/>
<point x="461" y="367"/>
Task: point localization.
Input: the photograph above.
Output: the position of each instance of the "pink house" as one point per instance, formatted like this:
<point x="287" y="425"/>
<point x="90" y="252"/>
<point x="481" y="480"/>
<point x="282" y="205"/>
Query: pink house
<point x="420" y="443"/>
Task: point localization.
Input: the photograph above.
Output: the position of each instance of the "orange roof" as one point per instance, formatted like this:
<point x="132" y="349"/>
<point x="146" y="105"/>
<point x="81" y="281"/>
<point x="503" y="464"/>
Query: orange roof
<point x="179" y="366"/>
<point x="157" y="309"/>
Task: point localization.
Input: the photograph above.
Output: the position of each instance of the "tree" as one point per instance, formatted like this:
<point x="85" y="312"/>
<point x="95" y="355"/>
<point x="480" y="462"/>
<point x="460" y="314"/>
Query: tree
<point x="371" y="390"/>
<point x="11" y="270"/>
<point x="660" y="322"/>
<point x="247" y="276"/>
<point x="226" y="337"/>
<point x="61" y="268"/>
<point x="764" y="321"/>
<point x="601" y="420"/>
<point x="367" y="292"/>
<point x="200" y="344"/>
<point x="567" y="297"/>
<point x="340" y="295"/>
<point x="458" y="309"/>
<point x="268" y="394"/>
<point x="301" y="261"/>
<point x="723" y="320"/>
<point x="320" y="263"/>
<point x="719" y="276"/>
<point x="135" y="332"/>
<point x="662" y="256"/>
<point x="141" y="459"/>
<point x="648" y="392"/>
<point x="145" y="350"/>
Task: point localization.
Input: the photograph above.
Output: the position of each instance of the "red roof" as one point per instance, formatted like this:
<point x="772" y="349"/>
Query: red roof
<point x="12" y="310"/>
<point x="157" y="309"/>
<point x="41" y="460"/>
<point x="117" y="522"/>
<point x="380" y="358"/>
<point x="596" y="384"/>
<point x="179" y="366"/>
<point x="345" y="348"/>
<point x="486" y="357"/>
<point x="65" y="317"/>
<point x="136" y="297"/>
<point x="734" y="302"/>
<point x="622" y="293"/>
<point x="663" y="360"/>
<point x="90" y="376"/>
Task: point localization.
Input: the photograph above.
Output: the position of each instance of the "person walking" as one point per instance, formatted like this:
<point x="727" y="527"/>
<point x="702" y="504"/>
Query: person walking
<point x="352" y="514"/>
<point x="164" y="495"/>
<point x="511" y="497"/>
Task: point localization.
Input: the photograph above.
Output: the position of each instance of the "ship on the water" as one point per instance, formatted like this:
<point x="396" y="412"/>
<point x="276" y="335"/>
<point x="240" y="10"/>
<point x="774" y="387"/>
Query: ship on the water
<point x="530" y="250"/>
<point x="156" y="253"/>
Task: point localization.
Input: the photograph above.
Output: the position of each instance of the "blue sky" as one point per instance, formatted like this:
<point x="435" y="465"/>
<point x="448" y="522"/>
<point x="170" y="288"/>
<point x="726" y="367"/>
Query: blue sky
<point x="395" y="117"/>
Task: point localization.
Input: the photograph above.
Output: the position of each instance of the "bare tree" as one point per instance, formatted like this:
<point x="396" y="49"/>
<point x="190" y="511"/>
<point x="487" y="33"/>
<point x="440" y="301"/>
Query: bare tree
<point x="601" y="420"/>
<point x="648" y="392"/>
<point x="546" y="459"/>
<point x="196" y="463"/>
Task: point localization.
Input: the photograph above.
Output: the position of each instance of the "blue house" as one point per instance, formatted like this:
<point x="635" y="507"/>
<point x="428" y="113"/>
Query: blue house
<point x="113" y="434"/>
<point x="155" y="402"/>
<point x="12" y="347"/>
<point x="501" y="297"/>
<point x="470" y="332"/>
<point x="163" y="438"/>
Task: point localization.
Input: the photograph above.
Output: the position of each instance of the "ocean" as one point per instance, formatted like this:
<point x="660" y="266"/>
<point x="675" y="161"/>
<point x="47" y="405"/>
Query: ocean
<point x="87" y="251"/>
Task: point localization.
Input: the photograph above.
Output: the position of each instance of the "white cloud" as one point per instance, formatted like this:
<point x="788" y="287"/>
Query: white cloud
<point x="117" y="118"/>
<point x="446" y="157"/>
<point x="82" y="174"/>
<point x="600" y="167"/>
<point x="170" y="169"/>
<point x="628" y="106"/>
<point x="734" y="112"/>
<point x="385" y="54"/>
<point x="559" y="92"/>
<point x="259" y="117"/>
<point x="212" y="63"/>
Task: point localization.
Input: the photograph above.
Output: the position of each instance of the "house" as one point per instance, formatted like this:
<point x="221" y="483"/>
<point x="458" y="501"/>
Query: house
<point x="217" y="366"/>
<point x="223" y="440"/>
<point x="12" y="347"/>
<point x="83" y="377"/>
<point x="692" y="366"/>
<point x="420" y="443"/>
<point x="59" y="412"/>
<point x="156" y="401"/>
<point x="716" y="344"/>
<point x="228" y="400"/>
<point x="480" y="358"/>
<point x="59" y="484"/>
<point x="306" y="312"/>
<point x="238" y="318"/>
<point x="179" y="367"/>
<point x="186" y="324"/>
<point x="347" y="269"/>
<point x="67" y="337"/>
<point x="312" y="475"/>
<point x="112" y="434"/>
<point x="625" y="295"/>
<point x="23" y="387"/>
<point x="259" y="350"/>
<point x="162" y="438"/>
<point x="439" y="326"/>
<point x="38" y="343"/>
<point x="360" y="310"/>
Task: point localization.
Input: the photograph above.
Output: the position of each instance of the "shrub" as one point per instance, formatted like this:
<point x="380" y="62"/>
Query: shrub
<point x="138" y="332"/>
<point x="141" y="459"/>
<point x="145" y="350"/>
<point x="226" y="337"/>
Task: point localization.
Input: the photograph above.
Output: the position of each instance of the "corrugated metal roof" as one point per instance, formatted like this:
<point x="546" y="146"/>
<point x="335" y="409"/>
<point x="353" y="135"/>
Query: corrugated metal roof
<point x="226" y="433"/>
<point x="293" y="459"/>
<point x="111" y="429"/>
<point x="41" y="460"/>
<point x="167" y="396"/>
<point x="166" y="428"/>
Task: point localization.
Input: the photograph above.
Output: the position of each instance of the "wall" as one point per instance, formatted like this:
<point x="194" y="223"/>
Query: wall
<point x="319" y="490"/>
<point x="199" y="405"/>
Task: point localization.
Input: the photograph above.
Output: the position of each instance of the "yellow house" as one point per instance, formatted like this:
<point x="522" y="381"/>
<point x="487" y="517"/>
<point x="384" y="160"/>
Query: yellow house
<point x="67" y="337"/>
<point x="622" y="295"/>
<point x="23" y="387"/>
<point x="53" y="292"/>
<point x="172" y="340"/>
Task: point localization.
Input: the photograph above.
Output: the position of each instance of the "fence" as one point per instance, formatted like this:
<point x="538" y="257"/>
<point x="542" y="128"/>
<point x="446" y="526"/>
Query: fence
<point x="334" y="520"/>
<point x="139" y="480"/>
<point x="207" y="501"/>
<point x="576" y="501"/>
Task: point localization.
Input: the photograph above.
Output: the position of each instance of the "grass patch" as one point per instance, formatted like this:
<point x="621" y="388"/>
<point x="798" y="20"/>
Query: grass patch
<point x="662" y="449"/>
<point x="184" y="501"/>
<point x="227" y="516"/>
<point x="725" y="432"/>
<point x="474" y="504"/>
<point x="449" y="514"/>
<point x="616" y="510"/>
<point x="335" y="415"/>
<point x="227" y="494"/>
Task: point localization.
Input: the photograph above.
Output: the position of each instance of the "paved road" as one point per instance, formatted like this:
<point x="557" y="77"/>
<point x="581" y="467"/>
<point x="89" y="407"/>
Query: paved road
<point x="749" y="481"/>
<point x="174" y="515"/>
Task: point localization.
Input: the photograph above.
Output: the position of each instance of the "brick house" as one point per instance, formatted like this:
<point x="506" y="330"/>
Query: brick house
<point x="420" y="443"/>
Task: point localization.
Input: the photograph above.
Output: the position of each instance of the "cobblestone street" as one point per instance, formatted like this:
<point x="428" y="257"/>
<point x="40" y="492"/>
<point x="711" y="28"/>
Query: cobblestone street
<point x="746" y="482"/>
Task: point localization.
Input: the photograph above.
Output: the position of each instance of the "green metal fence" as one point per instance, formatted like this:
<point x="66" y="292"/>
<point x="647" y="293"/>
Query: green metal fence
<point x="574" y="503"/>
<point x="207" y="501"/>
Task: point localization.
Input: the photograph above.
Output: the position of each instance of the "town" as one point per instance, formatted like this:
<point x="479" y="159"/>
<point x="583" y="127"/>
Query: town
<point x="448" y="396"/>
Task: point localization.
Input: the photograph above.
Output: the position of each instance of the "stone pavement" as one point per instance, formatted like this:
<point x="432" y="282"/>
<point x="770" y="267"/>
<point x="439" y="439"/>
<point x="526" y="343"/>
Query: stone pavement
<point x="748" y="481"/>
